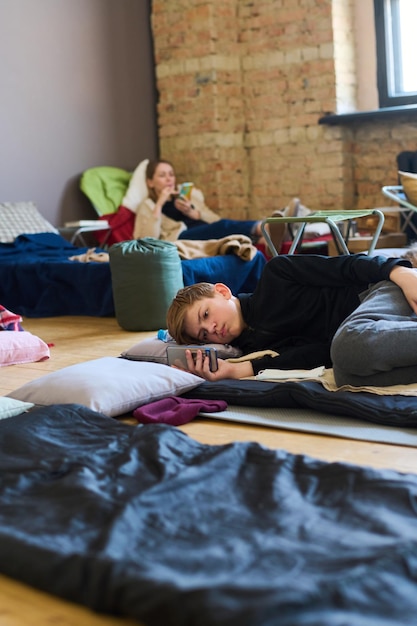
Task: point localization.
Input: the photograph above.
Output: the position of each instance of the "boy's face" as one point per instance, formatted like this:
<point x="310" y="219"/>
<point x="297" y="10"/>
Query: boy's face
<point x="215" y="320"/>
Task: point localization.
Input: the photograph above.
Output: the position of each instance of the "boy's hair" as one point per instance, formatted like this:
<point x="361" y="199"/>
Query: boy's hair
<point x="179" y="307"/>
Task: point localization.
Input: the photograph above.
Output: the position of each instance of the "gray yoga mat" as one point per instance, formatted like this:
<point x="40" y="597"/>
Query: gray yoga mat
<point x="305" y="420"/>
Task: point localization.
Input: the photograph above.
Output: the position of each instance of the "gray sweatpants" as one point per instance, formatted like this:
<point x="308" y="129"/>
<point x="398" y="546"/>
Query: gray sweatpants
<point x="377" y="343"/>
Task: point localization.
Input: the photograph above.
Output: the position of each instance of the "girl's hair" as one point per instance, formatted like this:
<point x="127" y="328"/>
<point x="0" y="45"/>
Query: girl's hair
<point x="179" y="307"/>
<point x="150" y="173"/>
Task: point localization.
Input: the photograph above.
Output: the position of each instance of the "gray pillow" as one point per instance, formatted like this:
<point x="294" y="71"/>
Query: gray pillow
<point x="109" y="385"/>
<point x="154" y="350"/>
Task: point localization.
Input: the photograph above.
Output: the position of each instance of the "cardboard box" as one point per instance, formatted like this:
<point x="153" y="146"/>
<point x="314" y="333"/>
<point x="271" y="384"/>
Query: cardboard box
<point x="361" y="243"/>
<point x="391" y="223"/>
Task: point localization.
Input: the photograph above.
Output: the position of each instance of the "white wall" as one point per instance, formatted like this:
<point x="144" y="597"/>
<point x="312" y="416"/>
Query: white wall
<point x="77" y="90"/>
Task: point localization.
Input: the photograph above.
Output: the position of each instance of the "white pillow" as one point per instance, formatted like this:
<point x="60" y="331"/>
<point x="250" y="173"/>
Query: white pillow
<point x="21" y="218"/>
<point x="137" y="189"/>
<point x="109" y="385"/>
<point x="10" y="407"/>
<point x="20" y="346"/>
<point x="154" y="350"/>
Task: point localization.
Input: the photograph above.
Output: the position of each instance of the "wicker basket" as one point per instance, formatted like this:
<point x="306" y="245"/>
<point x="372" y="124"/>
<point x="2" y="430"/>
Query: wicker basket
<point x="409" y="183"/>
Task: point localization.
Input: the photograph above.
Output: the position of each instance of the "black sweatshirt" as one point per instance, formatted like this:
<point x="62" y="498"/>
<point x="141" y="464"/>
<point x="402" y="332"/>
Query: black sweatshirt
<point x="299" y="303"/>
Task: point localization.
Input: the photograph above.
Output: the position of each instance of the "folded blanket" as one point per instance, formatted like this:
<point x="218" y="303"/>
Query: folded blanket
<point x="326" y="378"/>
<point x="276" y="375"/>
<point x="188" y="249"/>
<point x="241" y="245"/>
<point x="329" y="383"/>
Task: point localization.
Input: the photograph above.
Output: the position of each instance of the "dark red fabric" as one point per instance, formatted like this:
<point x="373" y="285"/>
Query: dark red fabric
<point x="176" y="411"/>
<point x="320" y="242"/>
<point x="122" y="223"/>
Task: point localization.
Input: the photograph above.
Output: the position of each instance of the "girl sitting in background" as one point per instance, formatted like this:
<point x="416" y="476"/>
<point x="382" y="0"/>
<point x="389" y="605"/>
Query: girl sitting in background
<point x="164" y="214"/>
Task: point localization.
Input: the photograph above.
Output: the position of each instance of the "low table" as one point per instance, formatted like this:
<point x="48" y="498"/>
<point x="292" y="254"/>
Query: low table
<point x="332" y="219"/>
<point x="75" y="230"/>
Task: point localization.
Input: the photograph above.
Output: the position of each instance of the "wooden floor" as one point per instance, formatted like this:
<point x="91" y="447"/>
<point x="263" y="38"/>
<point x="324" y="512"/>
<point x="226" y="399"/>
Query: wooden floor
<point x="77" y="339"/>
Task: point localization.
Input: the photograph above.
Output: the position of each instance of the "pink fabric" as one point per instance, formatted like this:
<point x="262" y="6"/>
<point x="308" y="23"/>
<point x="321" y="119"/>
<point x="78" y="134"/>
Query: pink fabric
<point x="176" y="411"/>
<point x="21" y="347"/>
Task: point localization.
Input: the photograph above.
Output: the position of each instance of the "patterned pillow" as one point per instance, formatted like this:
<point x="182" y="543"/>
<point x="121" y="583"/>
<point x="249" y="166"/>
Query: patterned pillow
<point x="19" y="218"/>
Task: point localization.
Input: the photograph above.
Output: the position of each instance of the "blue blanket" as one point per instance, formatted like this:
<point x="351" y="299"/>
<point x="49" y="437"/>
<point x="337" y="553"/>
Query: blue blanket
<point x="37" y="279"/>
<point x="396" y="410"/>
<point x="147" y="523"/>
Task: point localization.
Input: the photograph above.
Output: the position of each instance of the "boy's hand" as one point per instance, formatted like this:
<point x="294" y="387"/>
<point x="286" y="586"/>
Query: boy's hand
<point x="406" y="279"/>
<point x="201" y="367"/>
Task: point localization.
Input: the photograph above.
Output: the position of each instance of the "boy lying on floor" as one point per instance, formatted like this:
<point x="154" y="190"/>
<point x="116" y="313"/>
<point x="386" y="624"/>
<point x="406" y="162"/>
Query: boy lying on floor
<point x="355" y="313"/>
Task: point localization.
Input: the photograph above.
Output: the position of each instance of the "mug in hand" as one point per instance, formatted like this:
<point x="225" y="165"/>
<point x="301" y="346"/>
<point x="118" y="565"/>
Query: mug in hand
<point x="185" y="190"/>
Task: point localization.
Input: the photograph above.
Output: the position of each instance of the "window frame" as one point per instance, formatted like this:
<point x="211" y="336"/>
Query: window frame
<point x="389" y="66"/>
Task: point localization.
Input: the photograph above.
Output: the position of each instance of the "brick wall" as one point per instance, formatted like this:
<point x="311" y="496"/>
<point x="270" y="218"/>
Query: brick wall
<point x="241" y="87"/>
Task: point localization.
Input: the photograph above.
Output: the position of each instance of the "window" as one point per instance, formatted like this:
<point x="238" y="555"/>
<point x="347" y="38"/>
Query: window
<point x="396" y="43"/>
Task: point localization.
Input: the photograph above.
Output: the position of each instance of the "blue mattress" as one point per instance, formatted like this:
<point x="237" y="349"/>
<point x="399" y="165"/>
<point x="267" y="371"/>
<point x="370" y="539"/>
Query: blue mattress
<point x="37" y="279"/>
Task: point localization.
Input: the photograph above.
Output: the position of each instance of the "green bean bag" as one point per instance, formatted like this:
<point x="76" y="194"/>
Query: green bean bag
<point x="146" y="274"/>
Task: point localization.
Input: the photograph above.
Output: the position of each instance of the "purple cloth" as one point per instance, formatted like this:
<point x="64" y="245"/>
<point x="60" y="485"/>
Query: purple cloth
<point x="176" y="411"/>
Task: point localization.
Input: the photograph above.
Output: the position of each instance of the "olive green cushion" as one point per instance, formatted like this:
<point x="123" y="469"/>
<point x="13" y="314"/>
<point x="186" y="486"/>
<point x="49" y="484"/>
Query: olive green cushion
<point x="146" y="274"/>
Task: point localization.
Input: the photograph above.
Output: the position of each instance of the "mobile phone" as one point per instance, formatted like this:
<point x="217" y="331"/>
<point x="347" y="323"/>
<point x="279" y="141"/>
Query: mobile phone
<point x="176" y="356"/>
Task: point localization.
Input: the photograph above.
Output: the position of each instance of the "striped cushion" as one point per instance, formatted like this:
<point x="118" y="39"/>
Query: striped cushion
<point x="18" y="218"/>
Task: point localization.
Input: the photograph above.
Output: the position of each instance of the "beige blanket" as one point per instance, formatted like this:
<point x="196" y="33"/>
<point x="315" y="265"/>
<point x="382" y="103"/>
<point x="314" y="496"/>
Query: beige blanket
<point x="90" y="255"/>
<point x="329" y="383"/>
<point x="241" y="245"/>
<point x="327" y="380"/>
